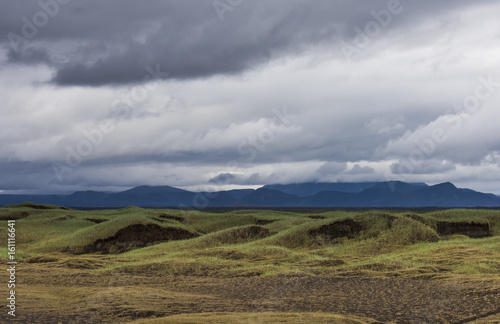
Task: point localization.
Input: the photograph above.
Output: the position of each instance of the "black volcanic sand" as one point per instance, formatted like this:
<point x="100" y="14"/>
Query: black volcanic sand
<point x="71" y="294"/>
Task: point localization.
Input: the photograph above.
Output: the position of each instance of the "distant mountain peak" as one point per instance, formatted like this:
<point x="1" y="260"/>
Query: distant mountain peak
<point x="395" y="194"/>
<point x="146" y="189"/>
<point x="448" y="185"/>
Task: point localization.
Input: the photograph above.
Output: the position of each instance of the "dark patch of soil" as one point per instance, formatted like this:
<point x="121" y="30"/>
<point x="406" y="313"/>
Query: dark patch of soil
<point x="470" y="228"/>
<point x="386" y="300"/>
<point x="342" y="228"/>
<point x="96" y="220"/>
<point x="13" y="215"/>
<point x="265" y="221"/>
<point x="172" y="217"/>
<point x="137" y="236"/>
<point x="131" y="313"/>
<point x="316" y="217"/>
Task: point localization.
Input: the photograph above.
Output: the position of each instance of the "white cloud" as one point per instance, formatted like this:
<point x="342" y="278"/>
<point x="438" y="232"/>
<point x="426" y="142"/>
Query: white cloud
<point x="392" y="105"/>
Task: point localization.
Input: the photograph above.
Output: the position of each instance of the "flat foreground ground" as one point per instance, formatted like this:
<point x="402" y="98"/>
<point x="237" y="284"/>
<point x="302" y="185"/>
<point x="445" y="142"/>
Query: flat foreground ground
<point x="59" y="293"/>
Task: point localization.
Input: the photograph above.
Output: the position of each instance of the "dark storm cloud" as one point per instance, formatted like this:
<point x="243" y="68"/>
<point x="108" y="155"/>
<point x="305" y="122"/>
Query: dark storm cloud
<point x="223" y="178"/>
<point x="110" y="42"/>
<point x="29" y="56"/>
<point x="430" y="166"/>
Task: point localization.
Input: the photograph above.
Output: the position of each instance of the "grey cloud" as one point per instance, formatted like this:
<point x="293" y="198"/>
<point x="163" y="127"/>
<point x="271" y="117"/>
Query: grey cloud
<point x="428" y="166"/>
<point x="186" y="38"/>
<point x="358" y="169"/>
<point x="249" y="179"/>
<point x="223" y="178"/>
<point x="331" y="169"/>
<point x="382" y="125"/>
<point x="29" y="56"/>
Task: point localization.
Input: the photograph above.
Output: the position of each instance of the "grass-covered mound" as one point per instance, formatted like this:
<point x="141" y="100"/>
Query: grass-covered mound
<point x="36" y="206"/>
<point x="253" y="242"/>
<point x="235" y="235"/>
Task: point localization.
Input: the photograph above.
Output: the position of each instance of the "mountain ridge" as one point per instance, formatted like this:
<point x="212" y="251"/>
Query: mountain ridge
<point x="388" y="194"/>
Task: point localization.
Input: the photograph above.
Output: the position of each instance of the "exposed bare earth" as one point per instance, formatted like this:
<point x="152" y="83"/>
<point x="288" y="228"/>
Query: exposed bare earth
<point x="74" y="292"/>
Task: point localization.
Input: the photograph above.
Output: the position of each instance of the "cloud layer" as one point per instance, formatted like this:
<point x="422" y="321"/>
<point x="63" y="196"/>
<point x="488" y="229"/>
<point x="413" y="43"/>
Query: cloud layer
<point x="111" y="94"/>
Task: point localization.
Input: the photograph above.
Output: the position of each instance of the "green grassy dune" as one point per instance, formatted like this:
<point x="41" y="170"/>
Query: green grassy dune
<point x="252" y="242"/>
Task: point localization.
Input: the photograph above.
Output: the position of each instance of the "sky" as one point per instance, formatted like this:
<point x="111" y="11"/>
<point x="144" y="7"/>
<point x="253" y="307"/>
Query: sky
<point x="222" y="94"/>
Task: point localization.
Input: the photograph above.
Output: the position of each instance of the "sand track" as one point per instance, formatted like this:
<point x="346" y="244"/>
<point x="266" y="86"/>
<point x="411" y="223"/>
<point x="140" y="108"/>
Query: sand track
<point x="121" y="298"/>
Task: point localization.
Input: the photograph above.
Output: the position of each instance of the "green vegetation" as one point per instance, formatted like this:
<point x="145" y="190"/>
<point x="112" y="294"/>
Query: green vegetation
<point x="250" y="242"/>
<point x="445" y="244"/>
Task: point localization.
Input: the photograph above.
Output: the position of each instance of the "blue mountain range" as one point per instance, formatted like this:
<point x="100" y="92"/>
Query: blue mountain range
<point x="392" y="194"/>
